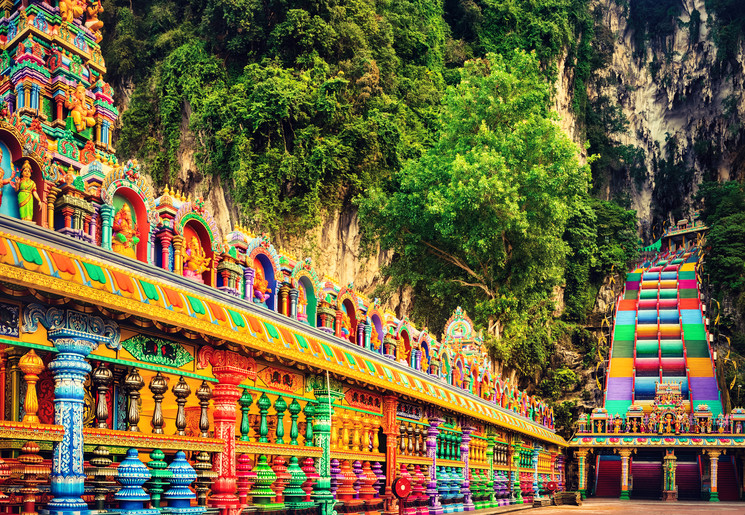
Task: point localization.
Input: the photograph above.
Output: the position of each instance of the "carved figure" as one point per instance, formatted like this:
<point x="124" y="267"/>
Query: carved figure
<point x="261" y="285"/>
<point x="91" y="19"/>
<point x="26" y="189"/>
<point x="3" y="182"/>
<point x="125" y="239"/>
<point x="82" y="116"/>
<point x="617" y="424"/>
<point x="375" y="342"/>
<point x="71" y="9"/>
<point x="346" y="326"/>
<point x="195" y="259"/>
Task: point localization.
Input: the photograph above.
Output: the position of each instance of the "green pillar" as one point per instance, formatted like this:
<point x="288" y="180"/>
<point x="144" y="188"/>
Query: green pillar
<point x="326" y="393"/>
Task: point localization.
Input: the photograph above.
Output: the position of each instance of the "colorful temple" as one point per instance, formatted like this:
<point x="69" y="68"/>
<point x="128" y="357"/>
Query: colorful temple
<point x="151" y="364"/>
<point x="663" y="431"/>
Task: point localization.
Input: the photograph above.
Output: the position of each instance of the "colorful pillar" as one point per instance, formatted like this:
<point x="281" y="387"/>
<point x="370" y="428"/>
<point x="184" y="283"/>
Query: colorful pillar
<point x="390" y="429"/>
<point x="714" y="461"/>
<point x="230" y="369"/>
<point x="326" y="392"/>
<point x="435" y="508"/>
<point x="492" y="503"/>
<point x="464" y="456"/>
<point x="625" y="454"/>
<point x="74" y="335"/>
<point x="536" y="491"/>
<point x="581" y="456"/>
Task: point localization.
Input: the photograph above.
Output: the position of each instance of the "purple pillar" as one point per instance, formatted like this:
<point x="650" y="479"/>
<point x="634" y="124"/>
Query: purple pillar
<point x="464" y="451"/>
<point x="248" y="275"/>
<point x="435" y="508"/>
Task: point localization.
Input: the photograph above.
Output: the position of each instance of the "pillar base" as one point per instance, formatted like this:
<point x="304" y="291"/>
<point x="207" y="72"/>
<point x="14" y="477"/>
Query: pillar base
<point x="625" y="495"/>
<point x="714" y="497"/>
<point x="582" y="493"/>
<point x="670" y="495"/>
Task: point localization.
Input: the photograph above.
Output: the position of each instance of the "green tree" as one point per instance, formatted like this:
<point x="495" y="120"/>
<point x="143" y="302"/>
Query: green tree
<point x="481" y="215"/>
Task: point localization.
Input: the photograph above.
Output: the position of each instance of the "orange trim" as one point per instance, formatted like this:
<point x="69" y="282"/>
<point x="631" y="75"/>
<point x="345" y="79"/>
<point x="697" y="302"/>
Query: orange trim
<point x="63" y="263"/>
<point x="217" y="312"/>
<point x="123" y="281"/>
<point x="174" y="298"/>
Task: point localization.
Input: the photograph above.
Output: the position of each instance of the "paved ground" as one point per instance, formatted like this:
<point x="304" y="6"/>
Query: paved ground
<point x="605" y="506"/>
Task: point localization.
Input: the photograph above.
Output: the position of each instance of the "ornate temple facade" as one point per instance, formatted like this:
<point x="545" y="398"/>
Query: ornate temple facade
<point x="663" y="431"/>
<point x="152" y="364"/>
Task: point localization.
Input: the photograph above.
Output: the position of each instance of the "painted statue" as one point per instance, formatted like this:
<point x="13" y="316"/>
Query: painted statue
<point x="92" y="23"/>
<point x="124" y="235"/>
<point x="26" y="189"/>
<point x="375" y="342"/>
<point x="2" y="174"/>
<point x="195" y="260"/>
<point x="82" y="116"/>
<point x="302" y="304"/>
<point x="71" y="9"/>
<point x="346" y="326"/>
<point x="617" y="424"/>
<point x="261" y="285"/>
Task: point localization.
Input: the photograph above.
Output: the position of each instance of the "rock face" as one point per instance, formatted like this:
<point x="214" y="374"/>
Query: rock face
<point x="672" y="91"/>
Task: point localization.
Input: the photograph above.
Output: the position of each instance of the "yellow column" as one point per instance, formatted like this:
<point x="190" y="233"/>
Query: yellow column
<point x="178" y="259"/>
<point x="625" y="455"/>
<point x="714" y="462"/>
<point x="581" y="455"/>
<point x="31" y="365"/>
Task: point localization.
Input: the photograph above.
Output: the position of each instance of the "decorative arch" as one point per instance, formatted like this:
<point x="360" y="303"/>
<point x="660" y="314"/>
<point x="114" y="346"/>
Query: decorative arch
<point x="347" y="303"/>
<point x="20" y="144"/>
<point x="126" y="186"/>
<point x="424" y="342"/>
<point x="194" y="213"/>
<point x="377" y="332"/>
<point x="264" y="259"/>
<point x="446" y="368"/>
<point x="458" y="371"/>
<point x="309" y="291"/>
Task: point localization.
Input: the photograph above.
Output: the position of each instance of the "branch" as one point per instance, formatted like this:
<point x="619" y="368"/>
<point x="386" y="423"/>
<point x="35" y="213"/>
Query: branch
<point x="473" y="285"/>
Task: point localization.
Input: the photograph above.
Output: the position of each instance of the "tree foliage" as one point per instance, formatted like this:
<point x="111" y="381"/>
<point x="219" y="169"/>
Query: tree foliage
<point x="482" y="213"/>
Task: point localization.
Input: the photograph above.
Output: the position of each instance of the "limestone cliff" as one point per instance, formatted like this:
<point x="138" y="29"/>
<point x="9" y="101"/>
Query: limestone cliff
<point x="683" y="106"/>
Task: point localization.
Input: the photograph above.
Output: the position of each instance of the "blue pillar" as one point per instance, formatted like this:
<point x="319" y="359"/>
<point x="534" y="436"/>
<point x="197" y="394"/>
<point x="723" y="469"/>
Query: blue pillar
<point x="74" y="335"/>
<point x="69" y="369"/>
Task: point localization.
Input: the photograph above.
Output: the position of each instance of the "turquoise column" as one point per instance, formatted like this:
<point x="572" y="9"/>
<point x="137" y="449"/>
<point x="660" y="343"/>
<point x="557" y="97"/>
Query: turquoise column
<point x="74" y="335"/>
<point x="326" y="391"/>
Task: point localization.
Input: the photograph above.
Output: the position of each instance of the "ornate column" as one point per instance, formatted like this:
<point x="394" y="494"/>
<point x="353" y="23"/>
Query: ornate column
<point x="435" y="508"/>
<point x="74" y="335"/>
<point x="294" y="294"/>
<point x="107" y="217"/>
<point x="669" y="468"/>
<point x="390" y="430"/>
<point x="326" y="391"/>
<point x="490" y="443"/>
<point x="581" y="455"/>
<point x="536" y="492"/>
<point x="714" y="462"/>
<point x="165" y="238"/>
<point x="230" y="369"/>
<point x="464" y="456"/>
<point x="625" y="454"/>
<point x="248" y="275"/>
<point x="178" y="259"/>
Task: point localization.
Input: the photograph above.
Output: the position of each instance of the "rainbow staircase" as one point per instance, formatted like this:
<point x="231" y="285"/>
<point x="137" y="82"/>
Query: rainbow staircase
<point x="659" y="335"/>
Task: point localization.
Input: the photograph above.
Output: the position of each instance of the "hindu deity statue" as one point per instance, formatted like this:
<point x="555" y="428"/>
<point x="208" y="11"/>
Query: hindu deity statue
<point x="3" y="182"/>
<point x="124" y="235"/>
<point x="261" y="285"/>
<point x="375" y="341"/>
<point x="346" y="327"/>
<point x="721" y="423"/>
<point x="92" y="22"/>
<point x="617" y="424"/>
<point x="26" y="189"/>
<point x="302" y="304"/>
<point x="82" y="116"/>
<point x="195" y="260"/>
<point x="71" y="9"/>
